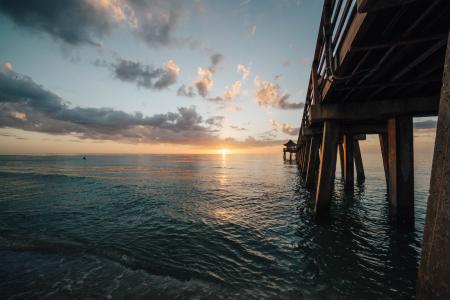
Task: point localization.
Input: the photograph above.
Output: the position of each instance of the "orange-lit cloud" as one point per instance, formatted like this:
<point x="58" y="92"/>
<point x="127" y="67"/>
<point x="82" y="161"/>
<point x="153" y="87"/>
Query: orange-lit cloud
<point x="7" y="66"/>
<point x="245" y="71"/>
<point x="269" y="94"/>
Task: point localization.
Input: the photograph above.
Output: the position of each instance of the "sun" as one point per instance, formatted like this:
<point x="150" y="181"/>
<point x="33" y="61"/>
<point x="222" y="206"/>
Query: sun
<point x="223" y="151"/>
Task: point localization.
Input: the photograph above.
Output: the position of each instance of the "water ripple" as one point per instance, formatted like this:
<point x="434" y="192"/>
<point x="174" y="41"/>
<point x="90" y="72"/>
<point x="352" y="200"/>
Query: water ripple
<point x="196" y="227"/>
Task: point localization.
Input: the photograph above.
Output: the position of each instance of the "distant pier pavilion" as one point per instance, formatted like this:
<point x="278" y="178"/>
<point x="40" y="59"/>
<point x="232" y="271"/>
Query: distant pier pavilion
<point x="290" y="147"/>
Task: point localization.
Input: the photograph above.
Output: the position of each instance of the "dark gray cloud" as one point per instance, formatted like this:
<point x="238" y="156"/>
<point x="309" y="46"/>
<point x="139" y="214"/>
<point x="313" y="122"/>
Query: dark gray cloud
<point x="238" y="128"/>
<point x="186" y="91"/>
<point x="284" y="103"/>
<point x="27" y="105"/>
<point x="157" y="20"/>
<point x="428" y="124"/>
<point x="74" y="22"/>
<point x="216" y="121"/>
<point x="146" y="76"/>
<point x="80" y="22"/>
<point x="216" y="58"/>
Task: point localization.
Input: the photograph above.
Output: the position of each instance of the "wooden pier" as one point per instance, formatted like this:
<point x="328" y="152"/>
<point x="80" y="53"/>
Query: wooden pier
<point x="377" y="64"/>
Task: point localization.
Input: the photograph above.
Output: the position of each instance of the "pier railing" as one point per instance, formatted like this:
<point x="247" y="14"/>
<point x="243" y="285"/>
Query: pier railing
<point x="336" y="18"/>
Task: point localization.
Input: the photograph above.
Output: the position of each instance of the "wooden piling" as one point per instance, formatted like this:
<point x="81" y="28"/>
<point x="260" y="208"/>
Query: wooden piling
<point x="358" y="161"/>
<point x="300" y="158"/>
<point x="307" y="157"/>
<point x="312" y="161"/>
<point x="401" y="170"/>
<point x="330" y="140"/>
<point x="384" y="154"/>
<point x="434" y="271"/>
<point x="348" y="161"/>
<point x="341" y="159"/>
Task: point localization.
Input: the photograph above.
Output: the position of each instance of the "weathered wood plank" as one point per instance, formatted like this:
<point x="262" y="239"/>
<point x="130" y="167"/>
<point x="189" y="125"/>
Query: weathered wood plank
<point x="327" y="168"/>
<point x="384" y="154"/>
<point x="376" y="110"/>
<point x="375" y="5"/>
<point x="358" y="130"/>
<point x="312" y="161"/>
<point x="305" y="166"/>
<point x="401" y="171"/>
<point x="341" y="159"/>
<point x="358" y="161"/>
<point x="349" y="173"/>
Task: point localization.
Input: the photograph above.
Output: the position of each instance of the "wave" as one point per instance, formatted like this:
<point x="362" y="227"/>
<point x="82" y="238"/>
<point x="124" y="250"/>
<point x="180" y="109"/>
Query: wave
<point x="18" y="173"/>
<point x="59" y="267"/>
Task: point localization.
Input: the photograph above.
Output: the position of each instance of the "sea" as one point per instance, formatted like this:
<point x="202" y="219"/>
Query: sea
<point x="236" y="226"/>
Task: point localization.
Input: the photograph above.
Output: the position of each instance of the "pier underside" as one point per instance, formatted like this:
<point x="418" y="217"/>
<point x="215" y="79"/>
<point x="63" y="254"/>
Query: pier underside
<point x="377" y="65"/>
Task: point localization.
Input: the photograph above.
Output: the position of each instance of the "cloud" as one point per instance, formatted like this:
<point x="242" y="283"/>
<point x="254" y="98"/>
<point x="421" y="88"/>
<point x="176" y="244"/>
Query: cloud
<point x="216" y="121"/>
<point x="157" y="20"/>
<point x="288" y="129"/>
<point x="253" y="30"/>
<point x="245" y="71"/>
<point x="7" y="66"/>
<point x="233" y="92"/>
<point x="428" y="124"/>
<point x="186" y="91"/>
<point x="238" y="128"/>
<point x="144" y="75"/>
<point x="18" y="115"/>
<point x="27" y="105"/>
<point x="251" y="141"/>
<point x="204" y="80"/>
<point x="274" y="124"/>
<point x="85" y="22"/>
<point x="269" y="94"/>
<point x="215" y="60"/>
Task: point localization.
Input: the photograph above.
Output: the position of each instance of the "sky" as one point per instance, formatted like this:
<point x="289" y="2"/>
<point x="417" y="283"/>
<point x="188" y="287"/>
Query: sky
<point x="154" y="76"/>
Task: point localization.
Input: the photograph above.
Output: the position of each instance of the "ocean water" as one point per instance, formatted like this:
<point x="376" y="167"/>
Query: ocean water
<point x="197" y="227"/>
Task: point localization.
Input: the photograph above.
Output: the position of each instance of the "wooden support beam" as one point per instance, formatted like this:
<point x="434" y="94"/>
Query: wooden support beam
<point x="434" y="270"/>
<point x="300" y="153"/>
<point x="330" y="139"/>
<point x="305" y="166"/>
<point x="376" y="110"/>
<point x="402" y="42"/>
<point x="312" y="161"/>
<point x="348" y="162"/>
<point x="358" y="161"/>
<point x="341" y="159"/>
<point x="421" y="58"/>
<point x="357" y="137"/>
<point x="374" y="5"/>
<point x="401" y="171"/>
<point x="358" y="130"/>
<point x="384" y="153"/>
<point x="302" y="156"/>
<point x="387" y="84"/>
